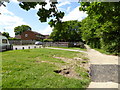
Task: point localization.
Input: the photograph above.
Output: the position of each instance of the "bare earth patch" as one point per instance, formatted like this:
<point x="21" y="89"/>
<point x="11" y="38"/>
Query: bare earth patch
<point x="68" y="69"/>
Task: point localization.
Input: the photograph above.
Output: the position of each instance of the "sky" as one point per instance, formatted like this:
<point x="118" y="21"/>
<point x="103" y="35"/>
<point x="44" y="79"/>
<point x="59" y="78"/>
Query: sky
<point x="12" y="16"/>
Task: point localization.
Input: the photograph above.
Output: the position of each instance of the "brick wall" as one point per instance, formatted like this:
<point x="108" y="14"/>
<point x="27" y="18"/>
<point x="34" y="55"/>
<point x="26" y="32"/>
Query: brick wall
<point x="30" y="35"/>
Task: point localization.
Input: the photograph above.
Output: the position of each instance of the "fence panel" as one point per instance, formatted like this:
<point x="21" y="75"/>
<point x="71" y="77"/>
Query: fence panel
<point x="22" y="42"/>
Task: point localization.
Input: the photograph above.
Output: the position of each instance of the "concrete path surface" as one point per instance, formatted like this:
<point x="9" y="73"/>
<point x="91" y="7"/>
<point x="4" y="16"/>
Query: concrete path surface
<point x="103" y="85"/>
<point x="99" y="58"/>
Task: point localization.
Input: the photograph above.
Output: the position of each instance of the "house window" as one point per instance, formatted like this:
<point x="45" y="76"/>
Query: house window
<point x="26" y="35"/>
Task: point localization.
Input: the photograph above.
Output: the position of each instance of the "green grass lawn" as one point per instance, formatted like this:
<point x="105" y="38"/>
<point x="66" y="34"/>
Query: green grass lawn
<point x="34" y="68"/>
<point x="102" y="51"/>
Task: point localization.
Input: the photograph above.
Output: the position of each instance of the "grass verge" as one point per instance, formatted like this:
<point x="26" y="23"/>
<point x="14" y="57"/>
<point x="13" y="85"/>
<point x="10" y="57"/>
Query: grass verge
<point x="102" y="51"/>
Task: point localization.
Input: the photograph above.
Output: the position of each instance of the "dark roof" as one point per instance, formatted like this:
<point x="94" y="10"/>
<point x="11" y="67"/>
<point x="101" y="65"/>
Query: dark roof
<point x="46" y="35"/>
<point x="36" y="32"/>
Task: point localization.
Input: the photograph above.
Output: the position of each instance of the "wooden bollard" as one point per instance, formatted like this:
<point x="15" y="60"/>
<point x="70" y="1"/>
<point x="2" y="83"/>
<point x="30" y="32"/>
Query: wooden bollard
<point x="34" y="46"/>
<point x="29" y="47"/>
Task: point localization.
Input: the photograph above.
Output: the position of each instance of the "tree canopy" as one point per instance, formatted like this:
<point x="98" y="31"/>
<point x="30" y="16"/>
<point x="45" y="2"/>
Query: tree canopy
<point x="6" y="34"/>
<point x="19" y="29"/>
<point x="44" y="13"/>
<point x="102" y="25"/>
<point x="67" y="31"/>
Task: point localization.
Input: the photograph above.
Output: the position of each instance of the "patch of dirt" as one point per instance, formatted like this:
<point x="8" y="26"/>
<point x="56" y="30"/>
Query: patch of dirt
<point x="42" y="61"/>
<point x="68" y="69"/>
<point x="67" y="72"/>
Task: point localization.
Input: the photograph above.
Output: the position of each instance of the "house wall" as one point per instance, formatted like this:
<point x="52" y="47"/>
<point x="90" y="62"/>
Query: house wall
<point x="31" y="35"/>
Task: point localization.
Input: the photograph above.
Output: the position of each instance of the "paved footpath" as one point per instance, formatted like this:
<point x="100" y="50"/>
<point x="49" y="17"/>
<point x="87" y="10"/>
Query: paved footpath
<point x="107" y="68"/>
<point x="104" y="71"/>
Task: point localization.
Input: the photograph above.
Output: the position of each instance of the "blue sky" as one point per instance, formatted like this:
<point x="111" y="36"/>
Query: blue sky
<point x="13" y="16"/>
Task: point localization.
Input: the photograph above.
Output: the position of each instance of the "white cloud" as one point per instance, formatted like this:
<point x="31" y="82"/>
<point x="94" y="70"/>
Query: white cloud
<point x="38" y="6"/>
<point x="68" y="9"/>
<point x="63" y="3"/>
<point x="14" y="1"/>
<point x="75" y="15"/>
<point x="8" y="21"/>
<point x="67" y="0"/>
<point x="47" y="30"/>
<point x="47" y="6"/>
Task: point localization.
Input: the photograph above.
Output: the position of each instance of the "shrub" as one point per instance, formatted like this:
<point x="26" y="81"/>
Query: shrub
<point x="47" y="40"/>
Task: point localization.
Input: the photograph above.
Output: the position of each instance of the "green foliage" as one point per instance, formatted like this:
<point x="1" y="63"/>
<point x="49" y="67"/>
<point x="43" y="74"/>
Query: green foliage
<point x="19" y="29"/>
<point x="47" y="40"/>
<point x="67" y="31"/>
<point x="102" y="11"/>
<point x="6" y="34"/>
<point x="89" y="29"/>
<point x="14" y="39"/>
<point x="102" y="25"/>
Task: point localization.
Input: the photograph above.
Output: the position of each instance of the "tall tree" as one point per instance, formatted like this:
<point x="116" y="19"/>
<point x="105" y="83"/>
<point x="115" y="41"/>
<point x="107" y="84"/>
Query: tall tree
<point x="19" y="29"/>
<point x="6" y="34"/>
<point x="90" y="28"/>
<point x="107" y="14"/>
<point x="67" y="31"/>
<point x="44" y="13"/>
